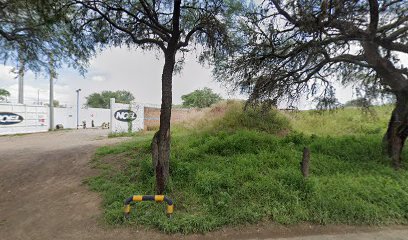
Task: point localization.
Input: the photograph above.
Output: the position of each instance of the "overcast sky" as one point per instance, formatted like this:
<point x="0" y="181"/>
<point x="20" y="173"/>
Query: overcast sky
<point x="124" y="69"/>
<point x="117" y="69"/>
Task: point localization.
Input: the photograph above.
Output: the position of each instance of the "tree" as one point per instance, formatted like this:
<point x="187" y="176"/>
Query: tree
<point x="56" y="103"/>
<point x="32" y="30"/>
<point x="359" y="102"/>
<point x="200" y="98"/>
<point x="102" y="100"/>
<point x="4" y="94"/>
<point x="290" y="48"/>
<point x="327" y="103"/>
<point x="167" y="26"/>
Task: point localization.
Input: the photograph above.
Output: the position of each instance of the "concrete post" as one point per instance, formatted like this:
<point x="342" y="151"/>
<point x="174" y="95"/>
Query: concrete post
<point x="21" y="69"/>
<point x="51" y="102"/>
<point x="111" y="104"/>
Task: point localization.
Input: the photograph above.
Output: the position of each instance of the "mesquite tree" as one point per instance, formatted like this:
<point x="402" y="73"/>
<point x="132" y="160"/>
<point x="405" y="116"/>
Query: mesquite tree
<point x="168" y="26"/>
<point x="289" y="48"/>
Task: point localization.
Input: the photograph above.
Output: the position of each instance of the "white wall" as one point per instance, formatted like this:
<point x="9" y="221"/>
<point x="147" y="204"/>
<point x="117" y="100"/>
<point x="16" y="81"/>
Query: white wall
<point x="68" y="116"/>
<point x="35" y="118"/>
<point x="117" y="126"/>
<point x="99" y="115"/>
<point x="65" y="116"/>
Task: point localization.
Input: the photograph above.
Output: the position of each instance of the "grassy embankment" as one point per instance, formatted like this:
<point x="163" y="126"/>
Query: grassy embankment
<point x="243" y="168"/>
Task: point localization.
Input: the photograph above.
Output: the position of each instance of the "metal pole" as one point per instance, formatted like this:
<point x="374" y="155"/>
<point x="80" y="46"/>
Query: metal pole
<point x="51" y="102"/>
<point x="78" y="90"/>
<point x="21" y="81"/>
<point x="52" y="76"/>
<point x="38" y="96"/>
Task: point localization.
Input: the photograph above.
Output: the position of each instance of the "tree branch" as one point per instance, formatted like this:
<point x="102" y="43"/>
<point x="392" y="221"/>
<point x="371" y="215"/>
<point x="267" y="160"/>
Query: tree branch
<point x="151" y="15"/>
<point x="188" y="36"/>
<point x="374" y="17"/>
<point x="393" y="46"/>
<point x="283" y="12"/>
<point x="349" y="58"/>
<point x="125" y="30"/>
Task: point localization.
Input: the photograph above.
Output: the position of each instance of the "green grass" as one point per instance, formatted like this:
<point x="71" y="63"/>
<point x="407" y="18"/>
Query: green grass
<point x="348" y="121"/>
<point x="235" y="171"/>
<point x="122" y="134"/>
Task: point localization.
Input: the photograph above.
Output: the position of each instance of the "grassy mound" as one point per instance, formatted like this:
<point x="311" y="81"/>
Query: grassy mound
<point x="234" y="171"/>
<point x="229" y="116"/>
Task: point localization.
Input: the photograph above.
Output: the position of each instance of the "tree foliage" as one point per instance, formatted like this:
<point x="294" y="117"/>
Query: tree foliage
<point x="4" y="94"/>
<point x="102" y="100"/>
<point x="327" y="102"/>
<point x="295" y="47"/>
<point x="56" y="103"/>
<point x="290" y="48"/>
<point x="33" y="30"/>
<point x="200" y="98"/>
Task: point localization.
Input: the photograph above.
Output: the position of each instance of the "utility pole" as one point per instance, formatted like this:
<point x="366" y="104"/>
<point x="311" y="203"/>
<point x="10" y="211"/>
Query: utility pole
<point x="21" y="79"/>
<point x="51" y="99"/>
<point x="77" y="91"/>
<point x="38" y="96"/>
<point x="52" y="76"/>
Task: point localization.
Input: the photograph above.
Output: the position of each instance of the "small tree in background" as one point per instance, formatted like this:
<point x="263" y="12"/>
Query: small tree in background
<point x="327" y="103"/>
<point x="200" y="98"/>
<point x="102" y="100"/>
<point x="4" y="94"/>
<point x="56" y="103"/>
<point x="359" y="102"/>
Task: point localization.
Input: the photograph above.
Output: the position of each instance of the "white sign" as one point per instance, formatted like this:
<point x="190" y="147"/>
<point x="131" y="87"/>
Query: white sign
<point x="21" y="118"/>
<point x="126" y="117"/>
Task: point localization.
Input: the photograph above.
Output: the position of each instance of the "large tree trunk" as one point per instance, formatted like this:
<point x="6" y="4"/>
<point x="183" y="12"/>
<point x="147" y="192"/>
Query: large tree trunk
<point x="397" y="131"/>
<point x="161" y="140"/>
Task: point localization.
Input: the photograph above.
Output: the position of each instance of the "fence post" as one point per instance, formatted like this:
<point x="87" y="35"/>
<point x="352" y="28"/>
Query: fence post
<point x="304" y="165"/>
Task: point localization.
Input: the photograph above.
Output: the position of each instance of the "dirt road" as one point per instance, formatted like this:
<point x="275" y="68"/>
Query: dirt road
<point x="42" y="196"/>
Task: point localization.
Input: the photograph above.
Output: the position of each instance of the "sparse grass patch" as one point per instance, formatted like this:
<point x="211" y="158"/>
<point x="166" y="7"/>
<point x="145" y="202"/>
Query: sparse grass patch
<point x="348" y="121"/>
<point x="120" y="134"/>
<point x="244" y="174"/>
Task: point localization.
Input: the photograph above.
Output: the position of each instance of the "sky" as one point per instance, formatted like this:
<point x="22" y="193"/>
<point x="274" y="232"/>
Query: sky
<point x="116" y="69"/>
<point x="132" y="70"/>
<point x="125" y="69"/>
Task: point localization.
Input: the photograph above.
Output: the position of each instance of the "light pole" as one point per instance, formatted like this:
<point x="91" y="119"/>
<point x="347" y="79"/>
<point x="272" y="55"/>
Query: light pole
<point x="77" y="91"/>
<point x="51" y="103"/>
<point x="21" y="69"/>
<point x="38" y="96"/>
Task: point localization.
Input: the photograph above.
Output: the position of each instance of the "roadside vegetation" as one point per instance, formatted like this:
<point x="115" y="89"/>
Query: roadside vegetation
<point x="234" y="167"/>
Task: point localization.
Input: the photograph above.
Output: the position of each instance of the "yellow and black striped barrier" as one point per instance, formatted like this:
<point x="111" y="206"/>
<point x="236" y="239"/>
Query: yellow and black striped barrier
<point x="156" y="198"/>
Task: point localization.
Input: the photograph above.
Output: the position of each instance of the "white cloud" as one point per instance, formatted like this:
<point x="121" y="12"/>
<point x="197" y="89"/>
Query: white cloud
<point x="6" y="74"/>
<point x="98" y="78"/>
<point x="33" y="94"/>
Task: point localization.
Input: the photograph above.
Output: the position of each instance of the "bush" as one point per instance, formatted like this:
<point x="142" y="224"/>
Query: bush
<point x="252" y="118"/>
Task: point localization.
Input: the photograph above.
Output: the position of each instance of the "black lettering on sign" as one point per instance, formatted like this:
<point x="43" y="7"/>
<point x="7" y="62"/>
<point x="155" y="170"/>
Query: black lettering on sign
<point x="125" y="115"/>
<point x="7" y="118"/>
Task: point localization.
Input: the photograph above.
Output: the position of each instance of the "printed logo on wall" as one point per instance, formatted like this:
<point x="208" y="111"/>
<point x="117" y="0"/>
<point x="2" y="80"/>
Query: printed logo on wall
<point x="124" y="115"/>
<point x="41" y="120"/>
<point x="7" y="118"/>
